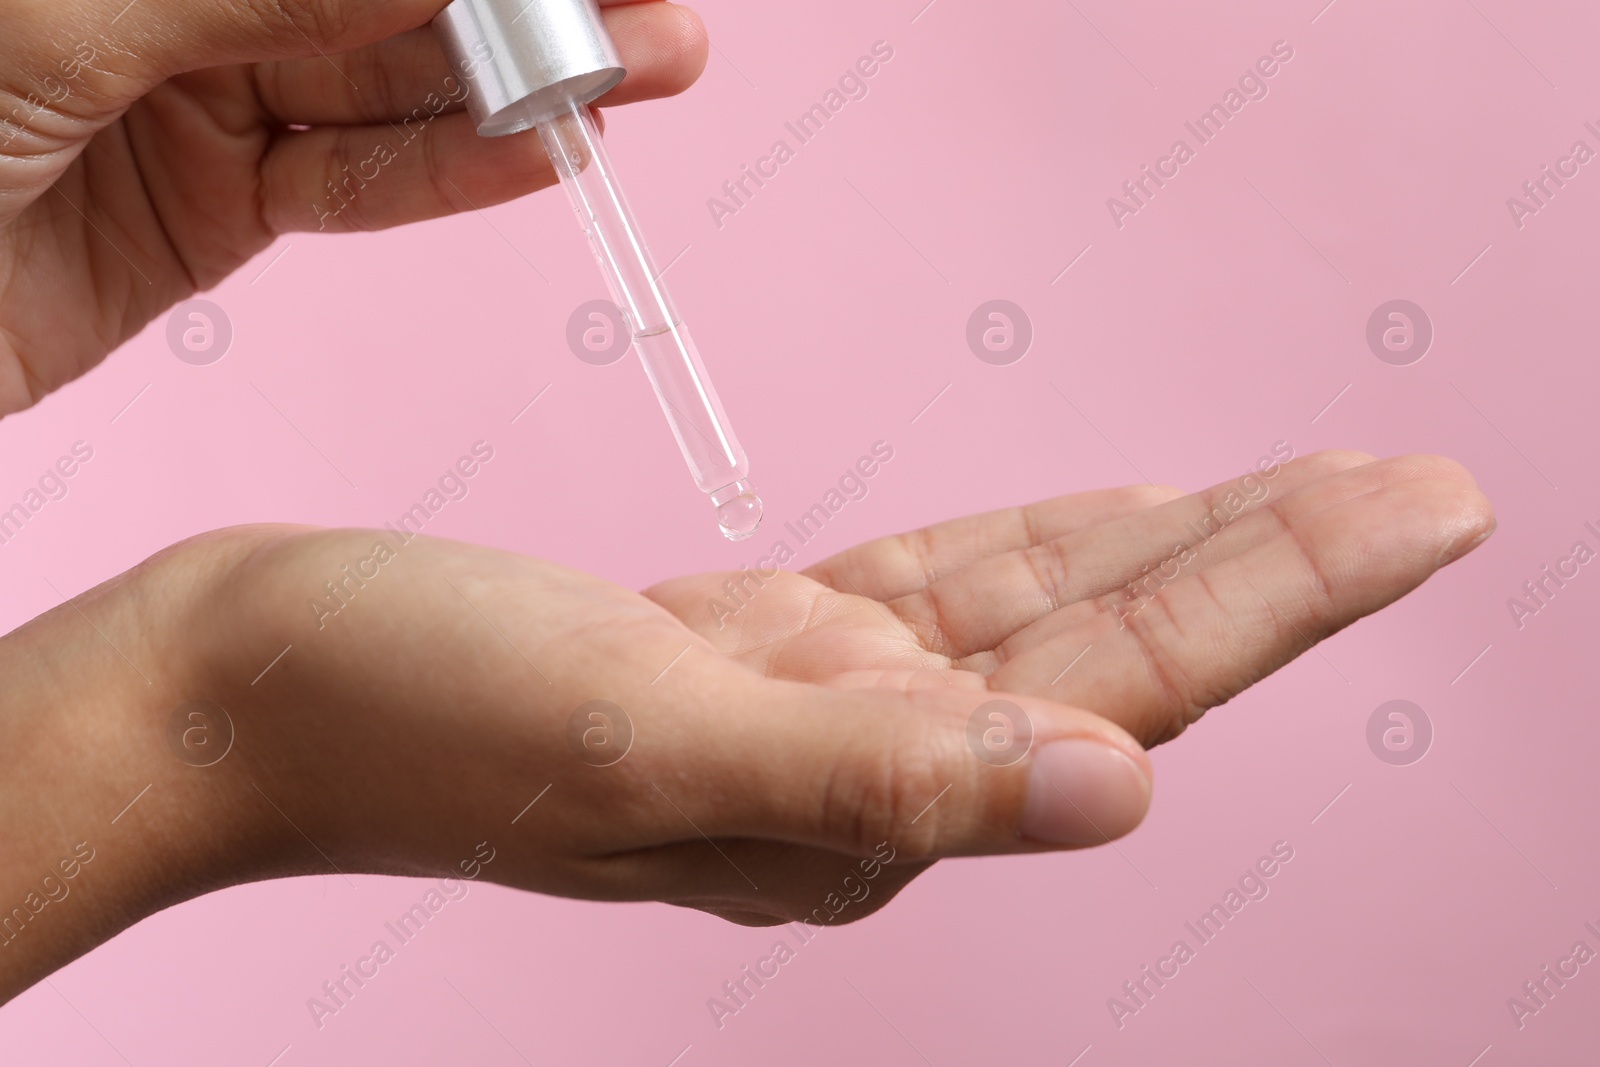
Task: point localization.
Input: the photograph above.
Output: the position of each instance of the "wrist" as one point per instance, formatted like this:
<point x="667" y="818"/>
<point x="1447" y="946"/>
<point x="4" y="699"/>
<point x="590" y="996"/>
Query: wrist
<point x="107" y="819"/>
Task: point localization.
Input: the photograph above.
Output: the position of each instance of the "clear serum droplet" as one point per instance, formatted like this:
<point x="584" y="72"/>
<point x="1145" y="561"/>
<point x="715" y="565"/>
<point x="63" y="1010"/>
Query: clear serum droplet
<point x="740" y="517"/>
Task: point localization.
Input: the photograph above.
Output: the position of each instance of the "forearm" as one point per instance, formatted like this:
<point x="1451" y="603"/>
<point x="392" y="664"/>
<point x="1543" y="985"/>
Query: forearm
<point x="101" y="823"/>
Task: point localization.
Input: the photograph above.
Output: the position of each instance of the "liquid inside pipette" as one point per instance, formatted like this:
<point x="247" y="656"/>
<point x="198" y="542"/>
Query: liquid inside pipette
<point x="668" y="354"/>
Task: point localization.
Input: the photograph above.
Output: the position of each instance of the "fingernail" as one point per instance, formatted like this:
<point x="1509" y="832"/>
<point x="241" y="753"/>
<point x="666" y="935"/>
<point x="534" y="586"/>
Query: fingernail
<point x="1083" y="793"/>
<point x="1461" y="548"/>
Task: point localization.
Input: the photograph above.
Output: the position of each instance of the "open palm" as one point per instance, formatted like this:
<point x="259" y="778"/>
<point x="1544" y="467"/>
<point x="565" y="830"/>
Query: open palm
<point x="1141" y="604"/>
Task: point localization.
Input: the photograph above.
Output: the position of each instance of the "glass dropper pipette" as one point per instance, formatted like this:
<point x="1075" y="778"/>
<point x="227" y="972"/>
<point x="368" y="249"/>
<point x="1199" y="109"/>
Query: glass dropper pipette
<point x="671" y="361"/>
<point x="530" y="64"/>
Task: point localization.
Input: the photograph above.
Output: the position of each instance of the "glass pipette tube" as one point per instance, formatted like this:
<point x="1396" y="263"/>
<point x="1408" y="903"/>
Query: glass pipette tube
<point x="668" y="353"/>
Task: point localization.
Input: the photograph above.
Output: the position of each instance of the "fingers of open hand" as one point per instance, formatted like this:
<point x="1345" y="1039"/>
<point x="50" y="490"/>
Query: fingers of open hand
<point x="1196" y="540"/>
<point x="904" y="564"/>
<point x="1216" y="617"/>
<point x="976" y="608"/>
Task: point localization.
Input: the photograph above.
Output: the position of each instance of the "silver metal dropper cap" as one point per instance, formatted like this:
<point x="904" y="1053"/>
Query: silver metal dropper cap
<point x="525" y="61"/>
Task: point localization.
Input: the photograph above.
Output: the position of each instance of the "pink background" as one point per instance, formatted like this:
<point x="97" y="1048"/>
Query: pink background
<point x="1222" y="318"/>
